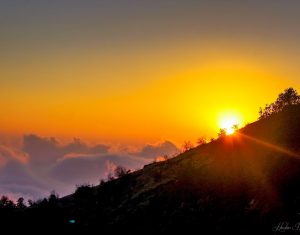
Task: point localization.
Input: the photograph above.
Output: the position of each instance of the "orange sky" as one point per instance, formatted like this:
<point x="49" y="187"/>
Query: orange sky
<point x="140" y="89"/>
<point x="183" y="103"/>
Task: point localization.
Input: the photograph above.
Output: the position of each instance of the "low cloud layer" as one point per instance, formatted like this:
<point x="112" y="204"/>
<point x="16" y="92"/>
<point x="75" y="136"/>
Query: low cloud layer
<point x="165" y="148"/>
<point x="48" y="150"/>
<point x="44" y="164"/>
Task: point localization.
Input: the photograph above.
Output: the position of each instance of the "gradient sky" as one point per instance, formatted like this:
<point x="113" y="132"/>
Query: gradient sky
<point x="134" y="72"/>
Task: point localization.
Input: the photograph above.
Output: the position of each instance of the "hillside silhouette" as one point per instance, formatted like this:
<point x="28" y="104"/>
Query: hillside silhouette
<point x="244" y="183"/>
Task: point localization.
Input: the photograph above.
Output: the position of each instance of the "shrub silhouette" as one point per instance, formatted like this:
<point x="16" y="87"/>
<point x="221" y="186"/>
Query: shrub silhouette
<point x="121" y="171"/>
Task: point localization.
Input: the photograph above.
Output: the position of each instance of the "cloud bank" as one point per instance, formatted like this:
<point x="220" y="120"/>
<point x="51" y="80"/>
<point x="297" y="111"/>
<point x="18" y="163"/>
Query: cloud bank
<point x="42" y="164"/>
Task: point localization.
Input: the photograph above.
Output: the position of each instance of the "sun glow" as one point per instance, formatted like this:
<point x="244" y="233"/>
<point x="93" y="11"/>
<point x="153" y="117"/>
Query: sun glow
<point x="230" y="123"/>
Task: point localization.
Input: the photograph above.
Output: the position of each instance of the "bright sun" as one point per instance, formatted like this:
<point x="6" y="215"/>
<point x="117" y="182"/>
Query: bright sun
<point x="228" y="122"/>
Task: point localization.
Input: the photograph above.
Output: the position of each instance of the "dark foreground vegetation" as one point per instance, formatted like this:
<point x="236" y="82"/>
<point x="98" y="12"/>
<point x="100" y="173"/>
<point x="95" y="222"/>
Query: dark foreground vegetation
<point x="246" y="183"/>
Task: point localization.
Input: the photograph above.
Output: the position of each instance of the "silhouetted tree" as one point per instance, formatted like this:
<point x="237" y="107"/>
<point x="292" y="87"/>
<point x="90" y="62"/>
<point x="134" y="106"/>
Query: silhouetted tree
<point x="102" y="182"/>
<point x="53" y="198"/>
<point x="201" y="141"/>
<point x="121" y="171"/>
<point x="110" y="177"/>
<point x="3" y="201"/>
<point x="235" y="127"/>
<point x="30" y="202"/>
<point x="11" y="205"/>
<point x="222" y="133"/>
<point x="187" y="145"/>
<point x="166" y="157"/>
<point x="287" y="98"/>
<point x="20" y="203"/>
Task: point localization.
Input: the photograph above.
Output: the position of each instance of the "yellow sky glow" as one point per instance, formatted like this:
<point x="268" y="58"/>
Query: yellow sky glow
<point x="175" y="100"/>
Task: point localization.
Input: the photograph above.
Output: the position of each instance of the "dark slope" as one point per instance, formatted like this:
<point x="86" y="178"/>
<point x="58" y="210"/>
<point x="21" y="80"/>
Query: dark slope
<point x="240" y="184"/>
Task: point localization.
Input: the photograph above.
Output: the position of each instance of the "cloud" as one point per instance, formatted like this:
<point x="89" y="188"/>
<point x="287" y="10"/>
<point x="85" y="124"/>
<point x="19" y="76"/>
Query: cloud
<point x="43" y="151"/>
<point x="45" y="164"/>
<point x="90" y="169"/>
<point x="7" y="153"/>
<point x="77" y="146"/>
<point x="16" y="179"/>
<point x="153" y="151"/>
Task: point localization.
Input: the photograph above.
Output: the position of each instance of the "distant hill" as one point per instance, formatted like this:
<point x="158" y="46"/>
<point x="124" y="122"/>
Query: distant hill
<point x="245" y="183"/>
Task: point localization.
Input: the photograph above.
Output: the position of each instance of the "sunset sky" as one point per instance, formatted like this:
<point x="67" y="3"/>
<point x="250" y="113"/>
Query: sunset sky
<point x="140" y="72"/>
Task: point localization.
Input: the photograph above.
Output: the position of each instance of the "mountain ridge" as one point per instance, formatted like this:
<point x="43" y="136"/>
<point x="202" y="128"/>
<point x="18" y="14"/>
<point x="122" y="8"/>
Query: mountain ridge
<point x="213" y="170"/>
